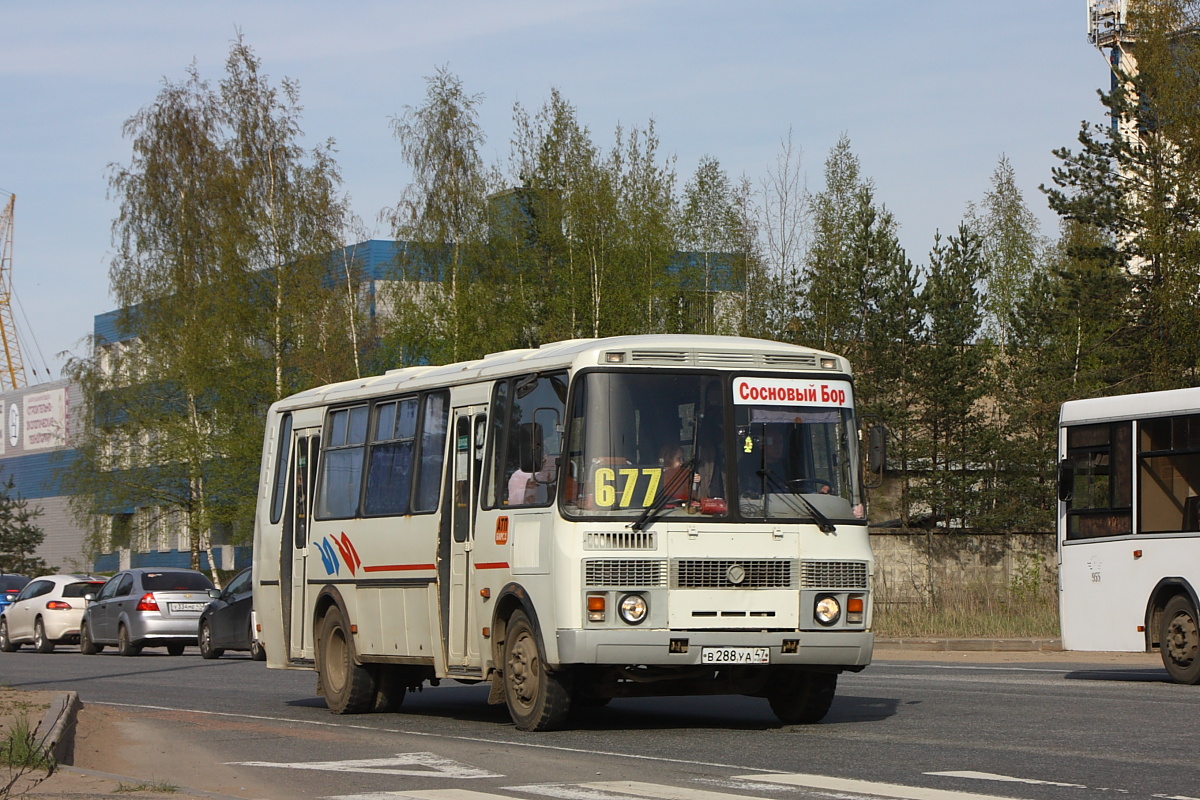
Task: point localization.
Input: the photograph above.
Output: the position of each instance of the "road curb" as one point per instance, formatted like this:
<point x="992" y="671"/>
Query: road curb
<point x="973" y="645"/>
<point x="59" y="725"/>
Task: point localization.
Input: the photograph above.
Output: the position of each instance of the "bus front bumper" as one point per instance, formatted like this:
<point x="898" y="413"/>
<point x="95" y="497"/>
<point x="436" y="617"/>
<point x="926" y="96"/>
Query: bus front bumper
<point x="686" y="648"/>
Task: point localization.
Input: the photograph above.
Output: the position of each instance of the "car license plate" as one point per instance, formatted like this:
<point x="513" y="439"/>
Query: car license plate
<point x="735" y="655"/>
<point x="186" y="606"/>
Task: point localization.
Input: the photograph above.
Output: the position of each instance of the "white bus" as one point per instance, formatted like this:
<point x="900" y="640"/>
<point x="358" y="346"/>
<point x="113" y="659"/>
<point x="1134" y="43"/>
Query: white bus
<point x="633" y="516"/>
<point x="1129" y="526"/>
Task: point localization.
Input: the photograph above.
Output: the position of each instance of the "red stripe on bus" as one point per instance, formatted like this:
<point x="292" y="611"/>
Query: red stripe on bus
<point x="398" y="567"/>
<point x="493" y="565"/>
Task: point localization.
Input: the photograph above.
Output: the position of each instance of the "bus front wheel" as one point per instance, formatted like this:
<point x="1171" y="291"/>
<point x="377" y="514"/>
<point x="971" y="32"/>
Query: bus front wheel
<point x="347" y="685"/>
<point x="537" y="699"/>
<point x="1179" y="641"/>
<point x="801" y="697"/>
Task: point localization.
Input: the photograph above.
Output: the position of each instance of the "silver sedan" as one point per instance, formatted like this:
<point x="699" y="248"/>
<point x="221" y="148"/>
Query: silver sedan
<point x="145" y="607"/>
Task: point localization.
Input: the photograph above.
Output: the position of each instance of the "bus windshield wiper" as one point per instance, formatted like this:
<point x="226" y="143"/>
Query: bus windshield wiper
<point x="665" y="493"/>
<point x="775" y="481"/>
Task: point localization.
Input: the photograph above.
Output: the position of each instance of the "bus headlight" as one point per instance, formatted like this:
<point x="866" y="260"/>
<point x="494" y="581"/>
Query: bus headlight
<point x="827" y="610"/>
<point x="632" y="609"/>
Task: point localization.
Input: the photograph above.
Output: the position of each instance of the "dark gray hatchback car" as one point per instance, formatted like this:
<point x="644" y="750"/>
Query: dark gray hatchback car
<point x="145" y="607"/>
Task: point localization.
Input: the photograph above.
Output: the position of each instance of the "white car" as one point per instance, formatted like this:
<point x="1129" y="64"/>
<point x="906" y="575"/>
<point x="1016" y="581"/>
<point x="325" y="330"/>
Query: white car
<point x="46" y="612"/>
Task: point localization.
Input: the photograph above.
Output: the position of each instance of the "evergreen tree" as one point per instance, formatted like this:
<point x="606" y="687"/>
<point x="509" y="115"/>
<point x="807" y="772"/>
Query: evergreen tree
<point x="951" y="381"/>
<point x="1137" y="182"/>
<point x="1012" y="247"/>
<point x="854" y="243"/>
<point x="19" y="536"/>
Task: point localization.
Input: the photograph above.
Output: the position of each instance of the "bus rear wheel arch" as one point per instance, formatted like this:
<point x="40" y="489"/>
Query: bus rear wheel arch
<point x="1179" y="640"/>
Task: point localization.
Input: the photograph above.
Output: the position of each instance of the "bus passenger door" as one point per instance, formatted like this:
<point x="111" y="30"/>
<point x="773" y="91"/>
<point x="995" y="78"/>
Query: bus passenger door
<point x="294" y="572"/>
<point x="470" y="426"/>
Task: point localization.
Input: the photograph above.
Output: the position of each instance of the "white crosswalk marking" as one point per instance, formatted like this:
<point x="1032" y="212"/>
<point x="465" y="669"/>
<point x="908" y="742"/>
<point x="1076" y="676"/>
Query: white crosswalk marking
<point x="425" y="794"/>
<point x="659" y="791"/>
<point x="638" y="790"/>
<point x="624" y="790"/>
<point x="893" y="791"/>
<point x="416" y="765"/>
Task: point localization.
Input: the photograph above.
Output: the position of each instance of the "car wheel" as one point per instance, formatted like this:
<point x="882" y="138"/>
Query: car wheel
<point x="6" y="644"/>
<point x="801" y="697"/>
<point x="257" y="651"/>
<point x="175" y="648"/>
<point x="348" y="686"/>
<point x="40" y="642"/>
<point x="205" y="639"/>
<point x="537" y="699"/>
<point x="125" y="645"/>
<point x="1179" y="641"/>
<point x="86" y="645"/>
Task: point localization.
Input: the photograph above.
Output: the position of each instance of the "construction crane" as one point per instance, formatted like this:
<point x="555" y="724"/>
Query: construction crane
<point x="12" y="370"/>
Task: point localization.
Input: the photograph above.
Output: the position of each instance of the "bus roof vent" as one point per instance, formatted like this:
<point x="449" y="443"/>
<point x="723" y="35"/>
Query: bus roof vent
<point x="658" y="357"/>
<point x="720" y="359"/>
<point x="791" y="359"/>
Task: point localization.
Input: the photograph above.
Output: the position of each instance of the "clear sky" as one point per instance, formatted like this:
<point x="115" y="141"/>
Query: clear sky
<point x="930" y="93"/>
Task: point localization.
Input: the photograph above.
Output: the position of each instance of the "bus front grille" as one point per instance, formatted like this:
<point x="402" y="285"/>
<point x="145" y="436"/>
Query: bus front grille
<point x="733" y="574"/>
<point x="834" y="574"/>
<point x="620" y="540"/>
<point x="624" y="573"/>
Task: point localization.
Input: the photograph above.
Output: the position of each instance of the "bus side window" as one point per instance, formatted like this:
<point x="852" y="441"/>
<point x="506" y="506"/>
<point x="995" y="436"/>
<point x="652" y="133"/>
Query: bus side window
<point x="281" y="468"/>
<point x="1169" y="481"/>
<point x="1100" y="461"/>
<point x="527" y="416"/>
<point x="432" y="452"/>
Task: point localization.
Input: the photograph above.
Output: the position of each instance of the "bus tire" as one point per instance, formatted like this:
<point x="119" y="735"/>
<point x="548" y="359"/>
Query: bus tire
<point x="537" y="699"/>
<point x="799" y="697"/>
<point x="1179" y="641"/>
<point x="347" y="685"/>
<point x="389" y="688"/>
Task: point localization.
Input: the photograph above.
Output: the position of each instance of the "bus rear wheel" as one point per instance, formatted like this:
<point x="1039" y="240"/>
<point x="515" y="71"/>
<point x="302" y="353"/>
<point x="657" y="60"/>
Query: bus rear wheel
<point x="1179" y="641"/>
<point x="348" y="686"/>
<point x="801" y="698"/>
<point x="537" y="699"/>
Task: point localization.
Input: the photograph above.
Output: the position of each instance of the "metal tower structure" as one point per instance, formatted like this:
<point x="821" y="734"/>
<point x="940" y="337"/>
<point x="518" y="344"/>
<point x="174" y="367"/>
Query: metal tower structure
<point x="12" y="370"/>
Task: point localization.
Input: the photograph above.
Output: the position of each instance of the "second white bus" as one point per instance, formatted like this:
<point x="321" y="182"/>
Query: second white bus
<point x="591" y="519"/>
<point x="1129" y="526"/>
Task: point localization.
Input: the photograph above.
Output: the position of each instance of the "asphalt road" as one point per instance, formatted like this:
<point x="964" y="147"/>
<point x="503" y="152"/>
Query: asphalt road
<point x="930" y="729"/>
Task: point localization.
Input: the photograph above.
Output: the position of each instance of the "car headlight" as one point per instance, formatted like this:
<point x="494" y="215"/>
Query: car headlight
<point x="632" y="609"/>
<point x="827" y="610"/>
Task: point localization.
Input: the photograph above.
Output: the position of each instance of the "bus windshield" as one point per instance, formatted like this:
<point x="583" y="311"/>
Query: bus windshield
<point x="755" y="447"/>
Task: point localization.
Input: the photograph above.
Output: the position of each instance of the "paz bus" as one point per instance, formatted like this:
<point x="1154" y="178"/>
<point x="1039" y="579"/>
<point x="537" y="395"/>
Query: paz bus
<point x="1129" y="526"/>
<point x="582" y="521"/>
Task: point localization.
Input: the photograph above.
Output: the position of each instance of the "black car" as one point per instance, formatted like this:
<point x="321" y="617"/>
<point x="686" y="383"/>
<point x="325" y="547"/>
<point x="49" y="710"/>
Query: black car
<point x="228" y="621"/>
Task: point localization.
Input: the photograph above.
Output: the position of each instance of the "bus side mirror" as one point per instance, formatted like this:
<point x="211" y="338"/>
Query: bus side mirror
<point x="1066" y="480"/>
<point x="876" y="448"/>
